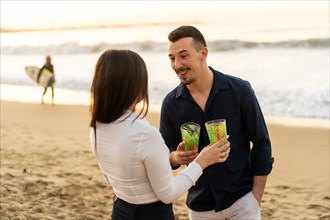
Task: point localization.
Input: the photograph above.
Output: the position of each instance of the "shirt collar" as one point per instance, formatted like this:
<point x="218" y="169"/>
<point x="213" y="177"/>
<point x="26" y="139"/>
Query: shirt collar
<point x="220" y="82"/>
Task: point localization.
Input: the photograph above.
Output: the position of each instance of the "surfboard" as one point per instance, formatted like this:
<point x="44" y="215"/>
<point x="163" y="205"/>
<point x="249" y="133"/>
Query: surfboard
<point x="45" y="77"/>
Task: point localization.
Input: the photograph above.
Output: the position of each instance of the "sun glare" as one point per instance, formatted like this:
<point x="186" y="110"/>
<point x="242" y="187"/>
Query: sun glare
<point x="56" y="14"/>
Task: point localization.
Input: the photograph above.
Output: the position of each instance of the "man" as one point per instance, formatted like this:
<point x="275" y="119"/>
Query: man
<point x="51" y="82"/>
<point x="233" y="189"/>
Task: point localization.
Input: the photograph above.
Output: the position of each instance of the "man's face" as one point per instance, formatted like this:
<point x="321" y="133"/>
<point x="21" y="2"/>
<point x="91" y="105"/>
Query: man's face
<point x="185" y="60"/>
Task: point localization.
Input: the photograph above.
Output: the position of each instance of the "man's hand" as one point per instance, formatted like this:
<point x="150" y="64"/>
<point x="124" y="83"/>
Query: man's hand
<point x="181" y="157"/>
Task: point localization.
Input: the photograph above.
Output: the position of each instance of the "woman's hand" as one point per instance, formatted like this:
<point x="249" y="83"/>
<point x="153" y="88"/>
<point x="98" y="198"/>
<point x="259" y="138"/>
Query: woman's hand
<point x="216" y="153"/>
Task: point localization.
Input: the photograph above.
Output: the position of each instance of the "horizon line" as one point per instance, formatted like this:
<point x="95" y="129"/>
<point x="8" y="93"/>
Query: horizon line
<point x="11" y="30"/>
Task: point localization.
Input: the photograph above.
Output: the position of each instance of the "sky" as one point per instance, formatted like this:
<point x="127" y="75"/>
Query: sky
<point x="57" y="14"/>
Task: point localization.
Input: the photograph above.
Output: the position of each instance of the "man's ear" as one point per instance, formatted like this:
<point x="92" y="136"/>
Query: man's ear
<point x="204" y="52"/>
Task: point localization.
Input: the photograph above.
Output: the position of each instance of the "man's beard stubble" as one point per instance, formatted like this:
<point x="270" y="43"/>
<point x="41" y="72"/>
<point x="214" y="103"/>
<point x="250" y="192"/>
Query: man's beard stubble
<point x="188" y="81"/>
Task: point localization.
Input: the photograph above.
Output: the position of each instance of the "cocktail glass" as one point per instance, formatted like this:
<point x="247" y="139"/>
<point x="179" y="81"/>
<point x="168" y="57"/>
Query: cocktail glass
<point x="216" y="129"/>
<point x="190" y="134"/>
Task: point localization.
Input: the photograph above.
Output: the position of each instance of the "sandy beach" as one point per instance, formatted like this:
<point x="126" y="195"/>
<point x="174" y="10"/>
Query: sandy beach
<point x="48" y="170"/>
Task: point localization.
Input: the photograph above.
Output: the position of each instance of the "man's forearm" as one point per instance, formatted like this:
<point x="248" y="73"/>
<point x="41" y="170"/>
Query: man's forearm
<point x="259" y="184"/>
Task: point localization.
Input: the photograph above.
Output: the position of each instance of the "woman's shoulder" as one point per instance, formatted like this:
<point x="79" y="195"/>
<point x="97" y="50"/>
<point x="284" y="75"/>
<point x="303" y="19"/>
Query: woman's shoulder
<point x="144" y="126"/>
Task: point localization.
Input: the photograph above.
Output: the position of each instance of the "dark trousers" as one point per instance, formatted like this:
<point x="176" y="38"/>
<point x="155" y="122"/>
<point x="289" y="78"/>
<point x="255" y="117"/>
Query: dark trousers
<point x="155" y="211"/>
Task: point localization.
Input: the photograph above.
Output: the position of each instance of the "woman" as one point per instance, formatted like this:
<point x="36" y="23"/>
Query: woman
<point x="130" y="152"/>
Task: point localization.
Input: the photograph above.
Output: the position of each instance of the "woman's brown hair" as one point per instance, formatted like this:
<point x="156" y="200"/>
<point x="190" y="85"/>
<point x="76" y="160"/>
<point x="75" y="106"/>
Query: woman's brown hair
<point x="120" y="80"/>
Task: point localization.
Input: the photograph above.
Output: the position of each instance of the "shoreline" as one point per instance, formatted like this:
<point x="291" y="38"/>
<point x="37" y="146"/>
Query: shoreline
<point x="32" y="94"/>
<point x="284" y="120"/>
<point x="48" y="168"/>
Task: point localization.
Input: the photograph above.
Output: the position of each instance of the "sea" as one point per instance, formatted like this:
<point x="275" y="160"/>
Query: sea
<point x="285" y="61"/>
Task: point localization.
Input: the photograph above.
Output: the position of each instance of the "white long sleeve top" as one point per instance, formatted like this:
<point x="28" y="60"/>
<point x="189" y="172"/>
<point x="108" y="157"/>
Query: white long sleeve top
<point x="135" y="160"/>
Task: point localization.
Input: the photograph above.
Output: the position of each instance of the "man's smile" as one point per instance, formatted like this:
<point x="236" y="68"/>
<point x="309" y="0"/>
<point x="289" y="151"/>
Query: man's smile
<point x="182" y="71"/>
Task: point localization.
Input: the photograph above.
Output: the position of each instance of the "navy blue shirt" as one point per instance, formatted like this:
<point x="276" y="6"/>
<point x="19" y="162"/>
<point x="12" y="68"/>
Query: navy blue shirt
<point x="250" y="155"/>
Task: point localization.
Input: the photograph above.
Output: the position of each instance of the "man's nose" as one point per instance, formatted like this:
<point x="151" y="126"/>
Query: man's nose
<point x="177" y="64"/>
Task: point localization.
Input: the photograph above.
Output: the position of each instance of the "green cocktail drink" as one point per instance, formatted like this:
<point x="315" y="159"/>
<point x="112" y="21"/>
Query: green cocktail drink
<point x="190" y="134"/>
<point x="216" y="129"/>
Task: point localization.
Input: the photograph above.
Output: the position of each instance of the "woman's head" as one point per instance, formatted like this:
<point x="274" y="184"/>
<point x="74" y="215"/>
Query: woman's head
<point x="120" y="80"/>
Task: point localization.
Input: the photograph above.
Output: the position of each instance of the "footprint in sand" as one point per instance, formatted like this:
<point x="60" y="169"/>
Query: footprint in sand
<point x="318" y="207"/>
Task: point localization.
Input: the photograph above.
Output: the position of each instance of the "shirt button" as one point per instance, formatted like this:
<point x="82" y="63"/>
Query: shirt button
<point x="210" y="171"/>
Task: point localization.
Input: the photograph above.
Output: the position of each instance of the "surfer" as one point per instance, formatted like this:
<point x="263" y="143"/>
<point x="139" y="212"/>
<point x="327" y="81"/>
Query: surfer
<point x="49" y="66"/>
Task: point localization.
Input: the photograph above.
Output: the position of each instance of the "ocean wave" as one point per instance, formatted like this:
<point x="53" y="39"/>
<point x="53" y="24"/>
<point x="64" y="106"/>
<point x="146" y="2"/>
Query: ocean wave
<point x="223" y="45"/>
<point x="146" y="46"/>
